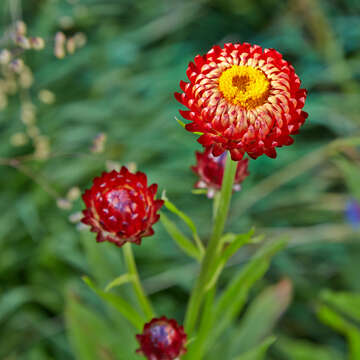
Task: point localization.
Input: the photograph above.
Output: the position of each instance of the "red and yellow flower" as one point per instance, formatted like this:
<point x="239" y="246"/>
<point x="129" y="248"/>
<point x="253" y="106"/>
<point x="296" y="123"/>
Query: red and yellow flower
<point x="244" y="99"/>
<point x="121" y="207"/>
<point x="162" y="339"/>
<point x="210" y="170"/>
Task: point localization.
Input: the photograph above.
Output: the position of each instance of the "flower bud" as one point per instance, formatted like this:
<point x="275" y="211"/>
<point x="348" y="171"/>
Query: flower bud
<point x="162" y="339"/>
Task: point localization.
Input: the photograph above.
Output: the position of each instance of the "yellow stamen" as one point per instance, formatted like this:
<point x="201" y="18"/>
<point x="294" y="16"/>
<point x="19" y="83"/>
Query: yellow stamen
<point x="244" y="86"/>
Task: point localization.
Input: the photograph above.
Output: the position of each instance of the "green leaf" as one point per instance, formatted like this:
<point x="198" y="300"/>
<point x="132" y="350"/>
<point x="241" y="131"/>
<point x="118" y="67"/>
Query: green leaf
<point x="266" y="309"/>
<point x="305" y="350"/>
<point x="171" y="207"/>
<point x="181" y="240"/>
<point x="120" y="280"/>
<point x="91" y="337"/>
<point x="119" y="304"/>
<point x="351" y="172"/>
<point x="340" y="324"/>
<point x="259" y="352"/>
<point x="235" y="295"/>
<point x="346" y="303"/>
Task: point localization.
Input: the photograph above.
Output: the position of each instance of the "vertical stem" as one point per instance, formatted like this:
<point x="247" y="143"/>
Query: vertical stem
<point x="212" y="249"/>
<point x="139" y="291"/>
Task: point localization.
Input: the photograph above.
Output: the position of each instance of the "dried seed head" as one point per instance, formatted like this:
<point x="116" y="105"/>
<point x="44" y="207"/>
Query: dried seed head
<point x="26" y="78"/>
<point x="20" y="28"/>
<point x="22" y="41"/>
<point x="71" y="46"/>
<point x="16" y="65"/>
<point x="98" y="145"/>
<point x="46" y="96"/>
<point x="66" y="22"/>
<point x="75" y="217"/>
<point x="28" y="114"/>
<point x="73" y="194"/>
<point x="33" y="131"/>
<point x="3" y="101"/>
<point x="80" y="39"/>
<point x="42" y="147"/>
<point x="5" y="56"/>
<point x="19" y="139"/>
<point x="59" y="50"/>
<point x="112" y="165"/>
<point x="37" y="43"/>
<point x="63" y="204"/>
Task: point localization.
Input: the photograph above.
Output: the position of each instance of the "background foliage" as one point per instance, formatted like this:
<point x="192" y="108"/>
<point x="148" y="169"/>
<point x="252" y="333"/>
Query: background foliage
<point x="121" y="84"/>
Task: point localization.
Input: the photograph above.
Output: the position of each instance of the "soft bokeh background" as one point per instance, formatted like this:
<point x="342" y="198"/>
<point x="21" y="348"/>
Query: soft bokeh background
<point x="121" y="83"/>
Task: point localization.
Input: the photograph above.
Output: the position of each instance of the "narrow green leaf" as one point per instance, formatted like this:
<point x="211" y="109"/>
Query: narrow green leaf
<point x="120" y="280"/>
<point x="235" y="295"/>
<point x="340" y="324"/>
<point x="171" y="207"/>
<point x="119" y="304"/>
<point x="266" y="309"/>
<point x="91" y="336"/>
<point x="306" y="350"/>
<point x="346" y="303"/>
<point x="236" y="242"/>
<point x="181" y="240"/>
<point x="259" y="352"/>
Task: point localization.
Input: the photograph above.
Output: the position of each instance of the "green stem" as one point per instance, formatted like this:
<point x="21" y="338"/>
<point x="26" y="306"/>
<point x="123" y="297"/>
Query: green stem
<point x="139" y="291"/>
<point x="213" y="247"/>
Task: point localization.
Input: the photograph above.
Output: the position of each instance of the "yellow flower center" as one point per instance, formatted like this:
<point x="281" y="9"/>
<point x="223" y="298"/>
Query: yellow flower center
<point x="244" y="86"/>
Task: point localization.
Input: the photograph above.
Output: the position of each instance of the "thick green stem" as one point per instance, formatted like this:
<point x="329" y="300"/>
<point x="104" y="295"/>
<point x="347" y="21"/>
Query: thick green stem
<point x="212" y="249"/>
<point x="139" y="291"/>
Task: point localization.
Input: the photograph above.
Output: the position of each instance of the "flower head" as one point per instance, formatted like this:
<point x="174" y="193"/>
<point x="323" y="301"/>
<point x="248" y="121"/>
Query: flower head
<point x="352" y="213"/>
<point x="162" y="339"/>
<point x="210" y="170"/>
<point x="120" y="207"/>
<point x="244" y="99"/>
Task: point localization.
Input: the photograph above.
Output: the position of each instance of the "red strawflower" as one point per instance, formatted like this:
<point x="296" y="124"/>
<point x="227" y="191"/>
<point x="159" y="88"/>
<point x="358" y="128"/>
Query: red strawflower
<point x="244" y="99"/>
<point x="210" y="170"/>
<point x="120" y="207"/>
<point x="162" y="339"/>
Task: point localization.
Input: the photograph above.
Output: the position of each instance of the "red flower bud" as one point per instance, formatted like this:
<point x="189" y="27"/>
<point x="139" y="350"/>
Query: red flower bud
<point x="120" y="207"/>
<point x="162" y="339"/>
<point x="210" y="170"/>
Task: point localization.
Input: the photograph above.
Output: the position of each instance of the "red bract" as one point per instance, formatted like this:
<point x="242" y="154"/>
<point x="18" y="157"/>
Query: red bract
<point x="210" y="170"/>
<point x="120" y="207"/>
<point x="244" y="99"/>
<point x="162" y="339"/>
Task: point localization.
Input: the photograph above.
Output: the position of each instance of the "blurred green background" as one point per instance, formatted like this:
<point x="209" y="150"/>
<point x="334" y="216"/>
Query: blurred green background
<point x="121" y="83"/>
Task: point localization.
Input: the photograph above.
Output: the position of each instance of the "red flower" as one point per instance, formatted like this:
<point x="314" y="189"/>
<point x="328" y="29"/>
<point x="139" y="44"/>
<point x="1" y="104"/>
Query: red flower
<point x="210" y="170"/>
<point x="162" y="339"/>
<point x="244" y="99"/>
<point x="120" y="207"/>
